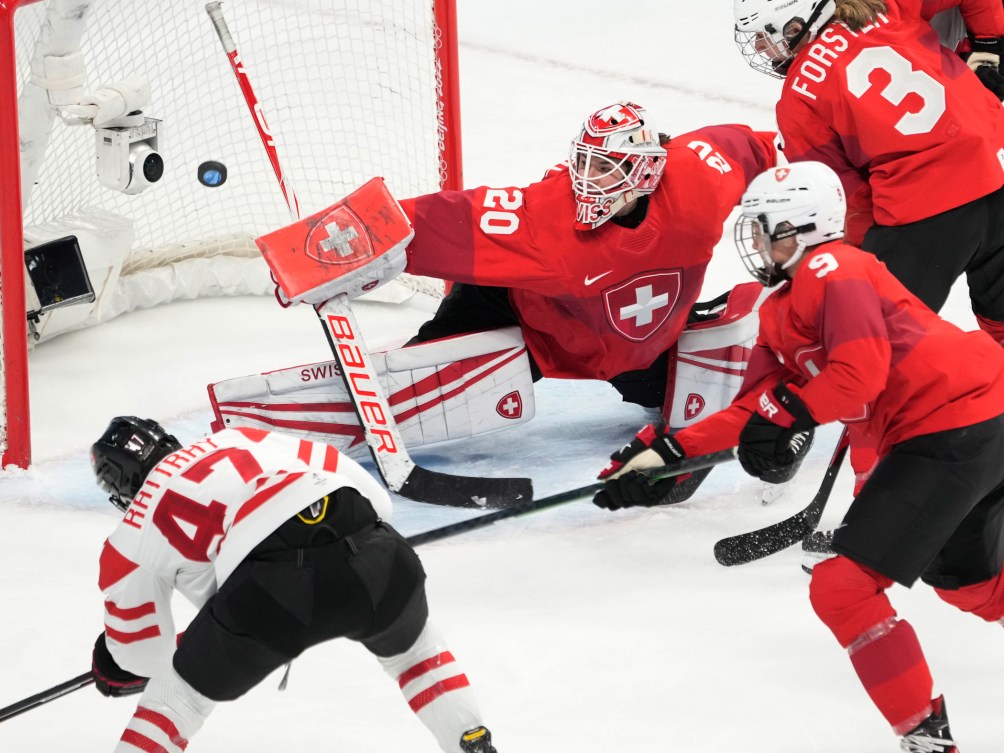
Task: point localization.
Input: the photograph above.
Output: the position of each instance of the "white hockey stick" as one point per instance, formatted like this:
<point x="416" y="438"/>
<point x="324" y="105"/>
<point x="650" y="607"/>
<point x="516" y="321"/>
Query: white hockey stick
<point x="399" y="471"/>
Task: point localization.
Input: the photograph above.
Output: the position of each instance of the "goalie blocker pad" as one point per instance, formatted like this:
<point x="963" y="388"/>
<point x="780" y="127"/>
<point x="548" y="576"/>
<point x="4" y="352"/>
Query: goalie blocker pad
<point x="453" y="388"/>
<point x="712" y="355"/>
<point x="352" y="247"/>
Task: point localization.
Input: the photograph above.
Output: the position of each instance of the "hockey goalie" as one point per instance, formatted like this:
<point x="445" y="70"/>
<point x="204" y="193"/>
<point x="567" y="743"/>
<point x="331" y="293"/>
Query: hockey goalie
<point x="460" y="384"/>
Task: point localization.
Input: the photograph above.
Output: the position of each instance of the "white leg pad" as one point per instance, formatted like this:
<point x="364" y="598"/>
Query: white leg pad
<point x="712" y="356"/>
<point x="169" y="713"/>
<point x="436" y="688"/>
<point x="453" y="388"/>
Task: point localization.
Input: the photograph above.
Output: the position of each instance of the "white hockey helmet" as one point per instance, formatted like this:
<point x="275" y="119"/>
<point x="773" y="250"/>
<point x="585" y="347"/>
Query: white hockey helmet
<point x="615" y="159"/>
<point x="803" y="199"/>
<point x="768" y="30"/>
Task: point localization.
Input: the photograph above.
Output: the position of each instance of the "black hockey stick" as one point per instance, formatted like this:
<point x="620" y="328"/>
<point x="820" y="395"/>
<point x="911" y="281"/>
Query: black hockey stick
<point x="687" y="465"/>
<point x="398" y="471"/>
<point x="748" y="547"/>
<point x="45" y="696"/>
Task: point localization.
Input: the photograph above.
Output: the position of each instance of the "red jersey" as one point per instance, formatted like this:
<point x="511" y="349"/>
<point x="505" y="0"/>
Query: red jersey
<point x="905" y="123"/>
<point x="594" y="304"/>
<point x="197" y="515"/>
<point x="858" y="347"/>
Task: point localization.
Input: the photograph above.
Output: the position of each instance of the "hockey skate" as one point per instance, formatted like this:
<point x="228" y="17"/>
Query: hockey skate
<point x="477" y="740"/>
<point x="932" y="735"/>
<point x="816" y="547"/>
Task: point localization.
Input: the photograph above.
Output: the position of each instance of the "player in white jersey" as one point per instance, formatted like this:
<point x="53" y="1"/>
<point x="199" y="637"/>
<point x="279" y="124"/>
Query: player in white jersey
<point x="281" y="544"/>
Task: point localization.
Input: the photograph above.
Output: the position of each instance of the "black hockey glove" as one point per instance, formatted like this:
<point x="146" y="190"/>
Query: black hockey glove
<point x="985" y="62"/>
<point x="625" y="486"/>
<point x="776" y="437"/>
<point x="109" y="678"/>
<point x="990" y="76"/>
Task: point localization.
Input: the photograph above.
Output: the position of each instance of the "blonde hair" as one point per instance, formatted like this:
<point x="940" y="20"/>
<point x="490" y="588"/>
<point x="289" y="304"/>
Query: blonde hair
<point x="856" y="14"/>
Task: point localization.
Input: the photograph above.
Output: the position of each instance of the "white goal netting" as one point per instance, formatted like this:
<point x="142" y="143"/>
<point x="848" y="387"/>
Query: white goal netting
<point x="350" y="89"/>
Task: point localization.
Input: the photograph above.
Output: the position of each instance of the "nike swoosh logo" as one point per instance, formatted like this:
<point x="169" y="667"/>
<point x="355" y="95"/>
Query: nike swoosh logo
<point x="590" y="280"/>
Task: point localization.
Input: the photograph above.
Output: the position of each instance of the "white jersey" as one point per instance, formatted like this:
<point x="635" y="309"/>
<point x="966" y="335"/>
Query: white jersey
<point x="196" y="517"/>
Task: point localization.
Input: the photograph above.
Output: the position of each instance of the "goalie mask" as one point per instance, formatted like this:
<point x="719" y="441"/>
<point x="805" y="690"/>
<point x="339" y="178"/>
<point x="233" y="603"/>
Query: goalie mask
<point x="615" y="159"/>
<point x="804" y="200"/>
<point x="126" y="453"/>
<point x="767" y="31"/>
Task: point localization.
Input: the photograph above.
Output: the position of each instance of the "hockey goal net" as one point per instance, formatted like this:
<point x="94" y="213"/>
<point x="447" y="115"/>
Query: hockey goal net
<point x="350" y="89"/>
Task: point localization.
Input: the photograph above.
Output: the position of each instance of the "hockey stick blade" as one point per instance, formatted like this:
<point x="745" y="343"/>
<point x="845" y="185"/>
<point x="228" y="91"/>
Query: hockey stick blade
<point x="688" y="465"/>
<point x="78" y="682"/>
<point x="478" y="492"/>
<point x="395" y="465"/>
<point x="749" y="547"/>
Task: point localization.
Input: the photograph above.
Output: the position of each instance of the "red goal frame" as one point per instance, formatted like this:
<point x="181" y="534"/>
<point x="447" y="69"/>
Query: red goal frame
<point x="17" y="448"/>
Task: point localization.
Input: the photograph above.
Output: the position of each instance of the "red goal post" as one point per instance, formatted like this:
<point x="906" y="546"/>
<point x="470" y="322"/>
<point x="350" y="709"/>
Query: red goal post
<point x="352" y="89"/>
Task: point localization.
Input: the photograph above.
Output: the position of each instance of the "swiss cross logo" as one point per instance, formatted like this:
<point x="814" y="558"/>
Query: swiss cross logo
<point x="613" y="118"/>
<point x="510" y="406"/>
<point x="638" y="307"/>
<point x="693" y="407"/>
<point x="781" y="173"/>
<point x="339" y="238"/>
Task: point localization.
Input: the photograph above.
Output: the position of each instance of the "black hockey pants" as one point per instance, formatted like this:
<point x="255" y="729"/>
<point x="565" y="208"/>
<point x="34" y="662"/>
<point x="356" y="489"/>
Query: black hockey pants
<point x="355" y="577"/>
<point x="929" y="255"/>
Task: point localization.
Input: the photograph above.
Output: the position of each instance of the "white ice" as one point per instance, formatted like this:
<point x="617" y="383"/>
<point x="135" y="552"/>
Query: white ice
<point x="580" y="630"/>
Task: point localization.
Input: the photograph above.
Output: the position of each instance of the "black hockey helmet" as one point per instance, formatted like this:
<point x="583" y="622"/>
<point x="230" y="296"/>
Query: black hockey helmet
<point x="128" y="450"/>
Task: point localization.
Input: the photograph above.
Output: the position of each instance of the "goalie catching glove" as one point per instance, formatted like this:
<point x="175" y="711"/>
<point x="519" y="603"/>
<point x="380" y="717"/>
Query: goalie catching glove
<point x="777" y="436"/>
<point x="626" y="486"/>
<point x="109" y="678"/>
<point x="350" y="248"/>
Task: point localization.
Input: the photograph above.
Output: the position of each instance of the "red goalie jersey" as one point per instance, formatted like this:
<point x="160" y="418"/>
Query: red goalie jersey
<point x="594" y="304"/>
<point x="199" y="513"/>
<point x="895" y="114"/>
<point x="859" y="348"/>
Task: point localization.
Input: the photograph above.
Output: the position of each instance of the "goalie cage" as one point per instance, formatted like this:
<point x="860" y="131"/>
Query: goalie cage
<point x="355" y="88"/>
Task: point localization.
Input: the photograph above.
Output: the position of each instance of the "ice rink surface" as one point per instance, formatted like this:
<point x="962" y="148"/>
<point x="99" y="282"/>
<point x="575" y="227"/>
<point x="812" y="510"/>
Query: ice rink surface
<point x="579" y="629"/>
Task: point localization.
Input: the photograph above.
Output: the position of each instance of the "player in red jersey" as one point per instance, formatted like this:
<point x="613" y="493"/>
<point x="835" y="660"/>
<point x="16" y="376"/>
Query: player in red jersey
<point x="844" y="340"/>
<point x="280" y="544"/>
<point x="600" y="262"/>
<point x="917" y="139"/>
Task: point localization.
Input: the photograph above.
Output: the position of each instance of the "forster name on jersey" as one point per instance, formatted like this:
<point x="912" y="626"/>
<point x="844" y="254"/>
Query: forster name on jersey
<point x="823" y="53"/>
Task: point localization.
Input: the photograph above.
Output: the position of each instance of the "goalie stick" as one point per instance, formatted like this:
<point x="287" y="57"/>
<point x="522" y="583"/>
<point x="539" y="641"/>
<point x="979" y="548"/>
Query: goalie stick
<point x="398" y="471"/>
<point x="749" y="547"/>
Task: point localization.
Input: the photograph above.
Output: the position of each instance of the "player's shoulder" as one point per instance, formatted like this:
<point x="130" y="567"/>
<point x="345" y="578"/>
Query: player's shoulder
<point x="698" y="142"/>
<point x="833" y="262"/>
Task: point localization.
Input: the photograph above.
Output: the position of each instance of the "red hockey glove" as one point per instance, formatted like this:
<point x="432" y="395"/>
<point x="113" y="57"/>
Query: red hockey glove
<point x="625" y="486"/>
<point x="109" y="678"/>
<point x="777" y="436"/>
<point x="985" y="62"/>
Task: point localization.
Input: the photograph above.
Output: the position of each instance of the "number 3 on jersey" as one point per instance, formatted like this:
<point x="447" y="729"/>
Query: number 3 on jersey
<point x="903" y="80"/>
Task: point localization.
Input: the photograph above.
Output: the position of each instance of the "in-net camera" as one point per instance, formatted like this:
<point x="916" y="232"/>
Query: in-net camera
<point x="128" y="160"/>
